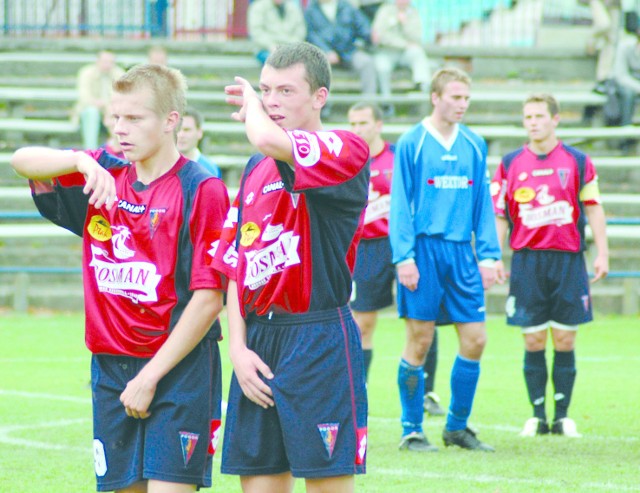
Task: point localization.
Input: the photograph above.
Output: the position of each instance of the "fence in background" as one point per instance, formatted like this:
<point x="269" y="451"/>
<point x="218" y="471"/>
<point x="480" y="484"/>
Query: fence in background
<point x="451" y="22"/>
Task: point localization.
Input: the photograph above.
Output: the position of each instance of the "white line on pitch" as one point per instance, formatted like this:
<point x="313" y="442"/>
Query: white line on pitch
<point x="50" y="397"/>
<point x="5" y="431"/>
<point x="503" y="480"/>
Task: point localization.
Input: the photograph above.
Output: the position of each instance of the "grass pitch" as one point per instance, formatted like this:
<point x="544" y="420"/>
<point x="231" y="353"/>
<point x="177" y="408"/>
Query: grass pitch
<point x="45" y="414"/>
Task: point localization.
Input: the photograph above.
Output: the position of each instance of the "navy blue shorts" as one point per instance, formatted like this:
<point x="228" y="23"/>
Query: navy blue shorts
<point x="450" y="285"/>
<point x="318" y="426"/>
<point x="373" y="276"/>
<point x="176" y="443"/>
<point x="548" y="286"/>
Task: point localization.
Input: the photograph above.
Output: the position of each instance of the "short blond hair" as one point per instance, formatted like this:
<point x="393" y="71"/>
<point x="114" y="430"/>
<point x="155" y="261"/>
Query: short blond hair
<point x="167" y="85"/>
<point x="542" y="97"/>
<point x="445" y="75"/>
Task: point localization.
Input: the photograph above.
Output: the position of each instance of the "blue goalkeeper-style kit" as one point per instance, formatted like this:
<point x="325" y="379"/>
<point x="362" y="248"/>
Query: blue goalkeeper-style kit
<point x="440" y="202"/>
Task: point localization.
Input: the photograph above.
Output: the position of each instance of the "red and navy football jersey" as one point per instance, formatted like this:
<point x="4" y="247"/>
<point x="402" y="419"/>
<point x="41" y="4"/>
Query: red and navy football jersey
<point x="290" y="237"/>
<point x="376" y="218"/>
<point x="541" y="197"/>
<point x="144" y="257"/>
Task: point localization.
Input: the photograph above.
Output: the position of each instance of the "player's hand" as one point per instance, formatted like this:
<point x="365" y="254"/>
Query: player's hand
<point x="489" y="276"/>
<point x="137" y="396"/>
<point x="408" y="276"/>
<point x="248" y="366"/>
<point x="238" y="95"/>
<point x="501" y="274"/>
<point x="99" y="182"/>
<point x="600" y="268"/>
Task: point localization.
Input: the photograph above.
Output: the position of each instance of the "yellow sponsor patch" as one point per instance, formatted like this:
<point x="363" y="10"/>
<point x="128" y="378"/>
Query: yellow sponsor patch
<point x="249" y="231"/>
<point x="99" y="228"/>
<point x="524" y="195"/>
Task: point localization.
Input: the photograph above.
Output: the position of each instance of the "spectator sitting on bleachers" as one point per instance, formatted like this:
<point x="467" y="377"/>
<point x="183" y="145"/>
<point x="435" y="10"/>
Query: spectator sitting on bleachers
<point x="189" y="137"/>
<point x="606" y="30"/>
<point x="94" y="93"/>
<point x="274" y="22"/>
<point x="336" y="26"/>
<point x="397" y="34"/>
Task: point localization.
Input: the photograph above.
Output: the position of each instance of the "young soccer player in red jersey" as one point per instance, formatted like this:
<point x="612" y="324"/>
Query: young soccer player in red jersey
<point x="151" y="296"/>
<point x="297" y="402"/>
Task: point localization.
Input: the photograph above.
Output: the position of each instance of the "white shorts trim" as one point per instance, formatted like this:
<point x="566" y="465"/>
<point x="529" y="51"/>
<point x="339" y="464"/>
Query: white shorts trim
<point x="532" y="329"/>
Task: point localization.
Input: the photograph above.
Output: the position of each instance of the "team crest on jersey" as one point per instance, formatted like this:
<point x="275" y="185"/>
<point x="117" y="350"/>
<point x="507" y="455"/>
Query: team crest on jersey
<point x="249" y="232"/>
<point x="329" y="434"/>
<point x="563" y="175"/>
<point x="214" y="436"/>
<point x="155" y="216"/>
<point x="188" y="443"/>
<point x="523" y="195"/>
<point x="99" y="228"/>
<point x="361" y="452"/>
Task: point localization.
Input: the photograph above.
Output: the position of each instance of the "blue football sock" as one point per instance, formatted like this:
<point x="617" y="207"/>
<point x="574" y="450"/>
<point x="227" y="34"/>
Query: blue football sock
<point x="464" y="380"/>
<point x="411" y="386"/>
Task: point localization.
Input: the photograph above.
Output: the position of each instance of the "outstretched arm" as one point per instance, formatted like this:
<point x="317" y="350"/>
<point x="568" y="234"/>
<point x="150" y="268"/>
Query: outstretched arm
<point x="42" y="163"/>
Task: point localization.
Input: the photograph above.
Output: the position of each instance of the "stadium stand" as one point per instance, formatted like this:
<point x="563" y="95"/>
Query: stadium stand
<point x="37" y="90"/>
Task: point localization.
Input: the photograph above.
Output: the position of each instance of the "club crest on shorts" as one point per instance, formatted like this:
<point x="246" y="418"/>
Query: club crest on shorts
<point x="329" y="434"/>
<point x="188" y="443"/>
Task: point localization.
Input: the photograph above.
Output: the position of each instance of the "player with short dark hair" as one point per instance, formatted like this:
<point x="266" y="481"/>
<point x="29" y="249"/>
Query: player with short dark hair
<point x="544" y="193"/>
<point x="189" y="137"/>
<point x="374" y="272"/>
<point x="297" y="402"/>
<point x="439" y="202"/>
<point x="151" y="296"/>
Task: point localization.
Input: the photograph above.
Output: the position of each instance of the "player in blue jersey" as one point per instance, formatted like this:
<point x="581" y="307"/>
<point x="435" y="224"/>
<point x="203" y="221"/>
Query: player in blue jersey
<point x="439" y="201"/>
<point x="297" y="400"/>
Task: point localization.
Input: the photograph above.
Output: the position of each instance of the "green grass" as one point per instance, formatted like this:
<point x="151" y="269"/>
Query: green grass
<point x="45" y="415"/>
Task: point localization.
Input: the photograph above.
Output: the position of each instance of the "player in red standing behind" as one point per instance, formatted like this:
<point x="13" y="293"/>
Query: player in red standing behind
<point x="151" y="296"/>
<point x="297" y="402"/>
<point x="545" y="192"/>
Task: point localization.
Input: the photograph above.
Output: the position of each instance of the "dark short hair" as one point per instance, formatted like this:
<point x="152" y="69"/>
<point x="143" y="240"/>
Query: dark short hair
<point x="316" y="65"/>
<point x="378" y="115"/>
<point x="548" y="99"/>
<point x="195" y="114"/>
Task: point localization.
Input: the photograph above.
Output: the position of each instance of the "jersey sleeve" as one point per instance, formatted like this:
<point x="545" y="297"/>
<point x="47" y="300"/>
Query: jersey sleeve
<point x="401" y="228"/>
<point x="324" y="159"/>
<point x="590" y="192"/>
<point x="61" y="199"/>
<point x="208" y="214"/>
<point x="223" y="253"/>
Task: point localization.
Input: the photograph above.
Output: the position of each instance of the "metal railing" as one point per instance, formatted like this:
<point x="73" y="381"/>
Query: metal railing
<point x="452" y="22"/>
